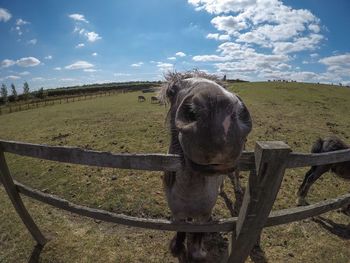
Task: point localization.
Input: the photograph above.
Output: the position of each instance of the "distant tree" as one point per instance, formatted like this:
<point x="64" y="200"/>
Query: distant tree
<point x="14" y="92"/>
<point x="3" y="93"/>
<point x="26" y="92"/>
<point x="41" y="93"/>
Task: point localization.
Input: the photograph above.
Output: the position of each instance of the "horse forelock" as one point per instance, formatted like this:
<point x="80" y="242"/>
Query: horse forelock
<point x="177" y="79"/>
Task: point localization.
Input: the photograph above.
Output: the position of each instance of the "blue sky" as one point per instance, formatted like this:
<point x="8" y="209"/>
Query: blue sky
<point x="62" y="43"/>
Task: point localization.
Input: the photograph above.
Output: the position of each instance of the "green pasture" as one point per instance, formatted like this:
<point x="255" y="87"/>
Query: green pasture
<point x="295" y="113"/>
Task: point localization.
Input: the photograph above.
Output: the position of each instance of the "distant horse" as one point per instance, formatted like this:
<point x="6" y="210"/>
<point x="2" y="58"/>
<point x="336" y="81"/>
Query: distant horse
<point x="328" y="144"/>
<point x="208" y="126"/>
<point x="154" y="99"/>
<point x="141" y="99"/>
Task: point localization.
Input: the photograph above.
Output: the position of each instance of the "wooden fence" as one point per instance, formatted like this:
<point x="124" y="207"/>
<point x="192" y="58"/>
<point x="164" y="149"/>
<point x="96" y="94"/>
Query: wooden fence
<point x="33" y="104"/>
<point x="267" y="165"/>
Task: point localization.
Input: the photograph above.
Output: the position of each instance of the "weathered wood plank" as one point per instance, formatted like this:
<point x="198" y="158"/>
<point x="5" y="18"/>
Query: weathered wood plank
<point x="158" y="224"/>
<point x="225" y="225"/>
<point x="261" y="192"/>
<point x="301" y="160"/>
<point x="153" y="162"/>
<point x="302" y="212"/>
<point x="16" y="200"/>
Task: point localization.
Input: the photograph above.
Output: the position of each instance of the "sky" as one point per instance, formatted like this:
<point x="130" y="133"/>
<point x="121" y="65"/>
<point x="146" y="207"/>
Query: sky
<point x="63" y="43"/>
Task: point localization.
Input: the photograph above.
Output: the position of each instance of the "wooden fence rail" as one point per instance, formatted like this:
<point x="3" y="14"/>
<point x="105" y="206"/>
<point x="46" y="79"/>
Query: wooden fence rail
<point x="74" y="155"/>
<point x="267" y="165"/>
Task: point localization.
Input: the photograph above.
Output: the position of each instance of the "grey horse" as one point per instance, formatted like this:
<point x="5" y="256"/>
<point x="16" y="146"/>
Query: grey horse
<point x="209" y="126"/>
<point x="328" y="144"/>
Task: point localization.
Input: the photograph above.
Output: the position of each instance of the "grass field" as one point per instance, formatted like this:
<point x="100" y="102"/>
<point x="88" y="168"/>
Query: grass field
<point x="292" y="112"/>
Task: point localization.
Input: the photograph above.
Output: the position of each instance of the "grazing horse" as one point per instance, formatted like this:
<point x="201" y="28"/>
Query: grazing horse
<point x="328" y="144"/>
<point x="141" y="99"/>
<point x="209" y="126"/>
<point x="154" y="99"/>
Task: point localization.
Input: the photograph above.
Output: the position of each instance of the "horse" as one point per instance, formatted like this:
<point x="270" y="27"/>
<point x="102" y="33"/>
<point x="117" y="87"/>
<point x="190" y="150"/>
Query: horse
<point x="328" y="144"/>
<point x="208" y="127"/>
<point x="154" y="99"/>
<point x="141" y="99"/>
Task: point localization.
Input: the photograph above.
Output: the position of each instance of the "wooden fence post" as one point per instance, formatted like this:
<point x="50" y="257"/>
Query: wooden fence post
<point x="17" y="202"/>
<point x="259" y="197"/>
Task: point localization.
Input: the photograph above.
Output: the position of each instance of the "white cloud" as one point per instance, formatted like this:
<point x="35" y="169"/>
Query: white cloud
<point x="23" y="62"/>
<point x="81" y="64"/>
<point x="269" y="24"/>
<point x="80" y="45"/>
<point x="48" y="57"/>
<point x="92" y="36"/>
<point x="21" y="22"/>
<point x="315" y="28"/>
<point x="7" y="63"/>
<point x="338" y="66"/>
<point x="338" y="60"/>
<point x="165" y="66"/>
<point x="12" y="77"/>
<point x="32" y="41"/>
<point x="90" y="70"/>
<point x="78" y="17"/>
<point x="303" y="43"/>
<point x="136" y="65"/>
<point x="204" y="58"/>
<point x="57" y="68"/>
<point x="180" y="54"/>
<point x="19" y="31"/>
<point x="78" y="28"/>
<point x="94" y="54"/>
<point x="242" y="60"/>
<point x="171" y="58"/>
<point x="221" y="6"/>
<point x="217" y="36"/>
<point x="261" y="37"/>
<point x="67" y="80"/>
<point x="119" y="74"/>
<point x="5" y="15"/>
<point x="24" y="73"/>
<point x="28" y="62"/>
<point x="38" y="79"/>
<point x="229" y="24"/>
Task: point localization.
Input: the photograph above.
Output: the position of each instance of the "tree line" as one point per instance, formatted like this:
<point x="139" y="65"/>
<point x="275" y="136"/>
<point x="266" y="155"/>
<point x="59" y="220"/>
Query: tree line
<point x="68" y="91"/>
<point x="5" y="97"/>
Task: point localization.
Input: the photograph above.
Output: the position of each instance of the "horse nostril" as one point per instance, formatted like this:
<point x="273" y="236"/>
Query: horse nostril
<point x="188" y="114"/>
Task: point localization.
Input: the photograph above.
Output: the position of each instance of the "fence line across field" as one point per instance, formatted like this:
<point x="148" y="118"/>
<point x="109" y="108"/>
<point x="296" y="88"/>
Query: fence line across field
<point x="10" y="108"/>
<point x="267" y="165"/>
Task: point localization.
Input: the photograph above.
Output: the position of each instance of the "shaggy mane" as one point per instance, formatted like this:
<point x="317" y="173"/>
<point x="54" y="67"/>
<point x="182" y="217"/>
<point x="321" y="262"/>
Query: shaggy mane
<point x="172" y="78"/>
